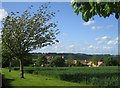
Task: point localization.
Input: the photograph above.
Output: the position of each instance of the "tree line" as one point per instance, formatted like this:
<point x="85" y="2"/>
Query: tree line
<point x="42" y="60"/>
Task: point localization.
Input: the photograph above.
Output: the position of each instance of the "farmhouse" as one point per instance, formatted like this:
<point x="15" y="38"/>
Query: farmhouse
<point x="74" y="62"/>
<point x="83" y="63"/>
<point x="100" y="63"/>
<point x="91" y="64"/>
<point x="71" y="62"/>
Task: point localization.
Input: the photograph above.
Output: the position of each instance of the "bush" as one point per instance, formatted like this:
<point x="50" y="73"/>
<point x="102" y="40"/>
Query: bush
<point x="58" y="62"/>
<point x="16" y="68"/>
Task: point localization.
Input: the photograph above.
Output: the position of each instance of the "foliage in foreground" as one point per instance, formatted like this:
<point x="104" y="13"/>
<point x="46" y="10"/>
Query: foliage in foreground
<point x="90" y="9"/>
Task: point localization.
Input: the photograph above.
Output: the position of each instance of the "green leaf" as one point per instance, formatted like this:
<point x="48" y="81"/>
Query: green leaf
<point x="107" y="8"/>
<point x="84" y="16"/>
<point x="91" y="3"/>
<point x="77" y="11"/>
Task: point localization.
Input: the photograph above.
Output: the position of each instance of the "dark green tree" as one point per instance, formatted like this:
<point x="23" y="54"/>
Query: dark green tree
<point x="25" y="32"/>
<point x="0" y="57"/>
<point x="41" y="61"/>
<point x="58" y="62"/>
<point x="70" y="56"/>
<point x="90" y="9"/>
<point x="7" y="56"/>
<point x="78" y="63"/>
<point x="94" y="59"/>
<point x="70" y="62"/>
<point x="109" y="61"/>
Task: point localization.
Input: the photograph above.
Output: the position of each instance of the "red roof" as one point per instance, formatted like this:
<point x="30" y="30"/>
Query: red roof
<point x="83" y="63"/>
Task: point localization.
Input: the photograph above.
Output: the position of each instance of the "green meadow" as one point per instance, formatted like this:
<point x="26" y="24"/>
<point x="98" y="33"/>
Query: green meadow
<point x="63" y="76"/>
<point x="13" y="79"/>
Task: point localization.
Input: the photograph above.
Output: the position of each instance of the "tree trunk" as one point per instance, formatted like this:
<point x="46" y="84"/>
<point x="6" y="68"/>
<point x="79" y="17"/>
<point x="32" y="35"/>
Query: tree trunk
<point x="10" y="66"/>
<point x="21" y="68"/>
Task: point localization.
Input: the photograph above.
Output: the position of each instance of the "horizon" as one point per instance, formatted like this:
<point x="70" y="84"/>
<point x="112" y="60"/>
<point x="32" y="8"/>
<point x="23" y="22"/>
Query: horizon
<point x="71" y="53"/>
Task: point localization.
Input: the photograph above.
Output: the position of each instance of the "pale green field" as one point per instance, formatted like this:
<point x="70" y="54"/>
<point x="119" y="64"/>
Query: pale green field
<point x="35" y="80"/>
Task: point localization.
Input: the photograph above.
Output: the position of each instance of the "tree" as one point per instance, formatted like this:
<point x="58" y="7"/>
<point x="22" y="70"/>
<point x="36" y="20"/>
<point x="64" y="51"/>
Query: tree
<point x="78" y="63"/>
<point x="28" y="31"/>
<point x="94" y="59"/>
<point x="0" y="56"/>
<point x="70" y="62"/>
<point x="109" y="61"/>
<point x="41" y="61"/>
<point x="90" y="9"/>
<point x="58" y="62"/>
<point x="7" y="56"/>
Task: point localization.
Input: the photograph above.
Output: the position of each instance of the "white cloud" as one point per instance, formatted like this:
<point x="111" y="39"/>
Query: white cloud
<point x="102" y="39"/>
<point x="105" y="38"/>
<point x="113" y="42"/>
<point x="93" y="28"/>
<point x="108" y="40"/>
<point x="116" y="38"/>
<point x="97" y="39"/>
<point x="71" y="46"/>
<point x="3" y="14"/>
<point x="61" y="48"/>
<point x="100" y="42"/>
<point x="106" y="47"/>
<point x="96" y="27"/>
<point x="88" y="23"/>
<point x="110" y="26"/>
<point x="57" y="47"/>
<point x="76" y="48"/>
<point x="91" y="47"/>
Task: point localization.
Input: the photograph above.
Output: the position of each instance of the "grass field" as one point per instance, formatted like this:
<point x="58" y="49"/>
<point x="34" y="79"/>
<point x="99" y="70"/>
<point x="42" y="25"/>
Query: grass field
<point x="98" y="76"/>
<point x="64" y="76"/>
<point x="13" y="79"/>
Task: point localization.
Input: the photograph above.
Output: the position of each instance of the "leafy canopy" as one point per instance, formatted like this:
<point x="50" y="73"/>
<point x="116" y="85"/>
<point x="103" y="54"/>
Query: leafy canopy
<point x="90" y="9"/>
<point x="41" y="60"/>
<point x="25" y="32"/>
<point x="58" y="62"/>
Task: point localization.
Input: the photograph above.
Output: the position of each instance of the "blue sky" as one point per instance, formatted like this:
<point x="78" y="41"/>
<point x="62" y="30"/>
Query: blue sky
<point x="98" y="36"/>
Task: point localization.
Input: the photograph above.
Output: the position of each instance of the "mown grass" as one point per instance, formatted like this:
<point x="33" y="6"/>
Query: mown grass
<point x="34" y="80"/>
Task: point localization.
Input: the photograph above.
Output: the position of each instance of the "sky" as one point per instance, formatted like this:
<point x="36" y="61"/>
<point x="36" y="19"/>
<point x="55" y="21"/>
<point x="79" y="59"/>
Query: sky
<point x="98" y="36"/>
